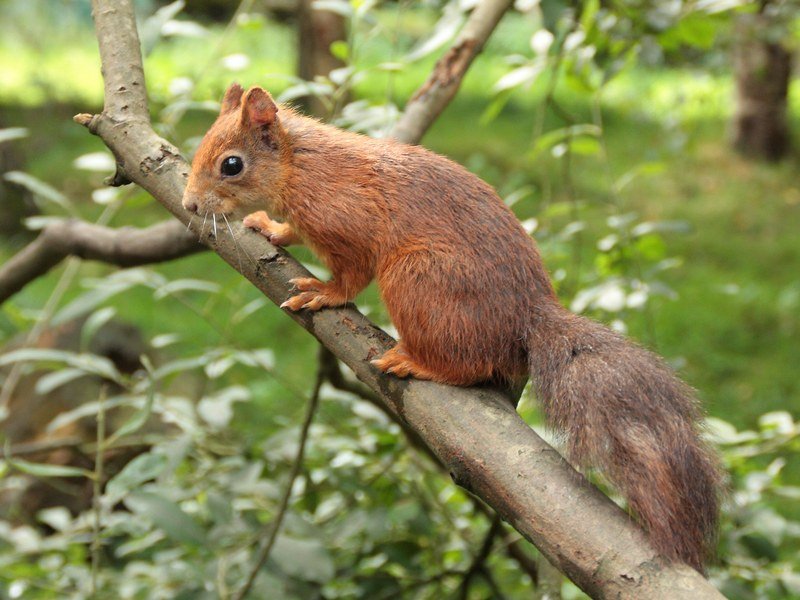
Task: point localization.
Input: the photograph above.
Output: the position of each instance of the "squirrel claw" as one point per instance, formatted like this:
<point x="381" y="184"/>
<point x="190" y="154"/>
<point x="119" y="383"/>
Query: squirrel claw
<point x="311" y="300"/>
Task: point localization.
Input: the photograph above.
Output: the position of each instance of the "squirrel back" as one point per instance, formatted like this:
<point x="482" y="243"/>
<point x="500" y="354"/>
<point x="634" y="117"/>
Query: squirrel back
<point x="467" y="290"/>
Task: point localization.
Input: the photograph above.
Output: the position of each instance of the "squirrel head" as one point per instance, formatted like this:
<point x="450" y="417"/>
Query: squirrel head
<point x="238" y="167"/>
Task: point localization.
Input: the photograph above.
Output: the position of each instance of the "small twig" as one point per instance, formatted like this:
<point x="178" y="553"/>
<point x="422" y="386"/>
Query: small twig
<point x="82" y="446"/>
<point x="496" y="592"/>
<point x="404" y="592"/>
<point x="275" y="526"/>
<point x="28" y="448"/>
<point x="97" y="487"/>
<point x="478" y="565"/>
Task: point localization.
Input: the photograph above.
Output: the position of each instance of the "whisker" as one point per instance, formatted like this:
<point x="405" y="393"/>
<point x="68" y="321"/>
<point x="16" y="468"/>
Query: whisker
<point x="189" y="223"/>
<point x="203" y="228"/>
<point x="235" y="242"/>
<point x="214" y="220"/>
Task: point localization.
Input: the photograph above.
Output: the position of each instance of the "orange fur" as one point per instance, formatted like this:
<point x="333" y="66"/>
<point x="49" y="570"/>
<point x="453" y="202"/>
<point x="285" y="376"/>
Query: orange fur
<point x="466" y="288"/>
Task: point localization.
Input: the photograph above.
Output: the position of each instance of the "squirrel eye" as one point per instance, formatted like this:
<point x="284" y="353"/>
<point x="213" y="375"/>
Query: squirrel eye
<point x="231" y="166"/>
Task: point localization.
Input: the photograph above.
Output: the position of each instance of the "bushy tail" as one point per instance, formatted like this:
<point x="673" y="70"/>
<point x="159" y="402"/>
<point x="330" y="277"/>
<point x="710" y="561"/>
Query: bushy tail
<point x="623" y="410"/>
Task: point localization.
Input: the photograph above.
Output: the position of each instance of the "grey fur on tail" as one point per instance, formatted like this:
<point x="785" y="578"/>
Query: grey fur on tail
<point x="623" y="411"/>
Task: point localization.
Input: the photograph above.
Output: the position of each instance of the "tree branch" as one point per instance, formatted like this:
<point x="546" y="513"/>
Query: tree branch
<point x="441" y="86"/>
<point x="126" y="247"/>
<point x="479" y="562"/>
<point x="486" y="446"/>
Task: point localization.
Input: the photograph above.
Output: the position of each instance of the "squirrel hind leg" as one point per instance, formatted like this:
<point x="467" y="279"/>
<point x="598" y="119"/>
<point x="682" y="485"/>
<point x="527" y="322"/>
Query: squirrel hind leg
<point x="398" y="362"/>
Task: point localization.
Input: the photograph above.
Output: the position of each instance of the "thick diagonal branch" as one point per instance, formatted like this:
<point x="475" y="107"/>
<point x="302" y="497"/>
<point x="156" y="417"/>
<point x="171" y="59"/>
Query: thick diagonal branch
<point x="486" y="446"/>
<point x="126" y="247"/>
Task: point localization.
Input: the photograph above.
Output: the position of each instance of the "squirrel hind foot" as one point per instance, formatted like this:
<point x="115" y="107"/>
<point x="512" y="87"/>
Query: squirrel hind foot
<point x="398" y="363"/>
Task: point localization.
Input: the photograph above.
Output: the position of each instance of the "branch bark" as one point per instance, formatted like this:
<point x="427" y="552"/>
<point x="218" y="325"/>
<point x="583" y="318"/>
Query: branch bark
<point x="435" y="94"/>
<point x="486" y="446"/>
<point x="126" y="247"/>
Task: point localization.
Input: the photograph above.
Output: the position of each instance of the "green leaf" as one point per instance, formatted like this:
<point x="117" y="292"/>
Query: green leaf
<point x="304" y="559"/>
<point x="12" y="133"/>
<point x="167" y="516"/>
<point x="45" y="470"/>
<point x="495" y="107"/>
<point x="94" y="323"/>
<point x="150" y="30"/>
<point x="220" y="506"/>
<point x="697" y="29"/>
<point x="139" y="545"/>
<point x="558" y="136"/>
<point x="651" y="247"/>
<point x="137" y="419"/>
<point x="182" y="285"/>
<point x="40" y="190"/>
<point x="248" y="309"/>
<point x="89" y="363"/>
<point x="180" y="365"/>
<point x="217" y="368"/>
<point x="39" y="222"/>
<point x="759" y="546"/>
<point x="445" y="28"/>
<point x="341" y="50"/>
<point x="524" y="75"/>
<point x="55" y="379"/>
<point x="585" y="146"/>
<point x="340" y="7"/>
<point x="588" y="14"/>
<point x="106" y="288"/>
<point x="141" y="469"/>
<point x="647" y="168"/>
<point x="88" y="409"/>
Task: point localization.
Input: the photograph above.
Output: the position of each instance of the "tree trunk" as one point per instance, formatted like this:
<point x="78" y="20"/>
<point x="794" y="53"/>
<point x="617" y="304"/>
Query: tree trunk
<point x="762" y="67"/>
<point x="317" y="30"/>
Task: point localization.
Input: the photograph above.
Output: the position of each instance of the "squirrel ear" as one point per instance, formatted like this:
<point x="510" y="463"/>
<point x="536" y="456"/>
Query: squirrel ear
<point x="232" y="99"/>
<point x="258" y="108"/>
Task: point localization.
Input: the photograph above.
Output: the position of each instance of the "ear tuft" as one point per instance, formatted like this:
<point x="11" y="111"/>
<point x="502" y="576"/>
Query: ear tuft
<point x="232" y="99"/>
<point x="258" y="108"/>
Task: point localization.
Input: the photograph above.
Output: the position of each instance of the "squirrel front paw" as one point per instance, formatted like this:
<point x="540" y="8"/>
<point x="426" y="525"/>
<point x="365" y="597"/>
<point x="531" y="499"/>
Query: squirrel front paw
<point x="278" y="234"/>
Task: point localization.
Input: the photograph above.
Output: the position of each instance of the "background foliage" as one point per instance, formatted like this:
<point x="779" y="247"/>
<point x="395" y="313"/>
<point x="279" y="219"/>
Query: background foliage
<point x="602" y="125"/>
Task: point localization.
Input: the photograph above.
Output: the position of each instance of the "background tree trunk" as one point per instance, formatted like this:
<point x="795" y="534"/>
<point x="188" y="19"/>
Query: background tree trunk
<point x="762" y="67"/>
<point x="317" y="30"/>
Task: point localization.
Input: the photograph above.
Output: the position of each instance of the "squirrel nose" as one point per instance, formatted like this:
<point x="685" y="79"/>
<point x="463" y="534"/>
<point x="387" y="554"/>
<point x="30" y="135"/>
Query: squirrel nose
<point x="191" y="206"/>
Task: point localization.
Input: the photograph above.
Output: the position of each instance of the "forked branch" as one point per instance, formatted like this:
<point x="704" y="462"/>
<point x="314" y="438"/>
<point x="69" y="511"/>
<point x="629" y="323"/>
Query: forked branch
<point x="126" y="247"/>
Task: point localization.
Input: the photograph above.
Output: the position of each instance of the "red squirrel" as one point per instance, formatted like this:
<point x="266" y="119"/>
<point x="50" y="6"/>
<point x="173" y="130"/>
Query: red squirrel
<point x="466" y="288"/>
